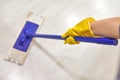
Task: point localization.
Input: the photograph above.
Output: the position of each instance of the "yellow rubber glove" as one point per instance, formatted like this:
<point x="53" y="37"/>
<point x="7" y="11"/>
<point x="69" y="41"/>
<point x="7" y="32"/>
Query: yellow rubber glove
<point x="81" y="29"/>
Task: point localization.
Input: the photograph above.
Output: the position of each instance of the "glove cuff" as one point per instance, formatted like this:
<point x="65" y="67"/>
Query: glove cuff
<point x="83" y="28"/>
<point x="90" y="20"/>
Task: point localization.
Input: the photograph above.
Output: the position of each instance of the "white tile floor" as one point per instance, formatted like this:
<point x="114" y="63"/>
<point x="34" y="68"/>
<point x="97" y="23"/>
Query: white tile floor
<point x="51" y="59"/>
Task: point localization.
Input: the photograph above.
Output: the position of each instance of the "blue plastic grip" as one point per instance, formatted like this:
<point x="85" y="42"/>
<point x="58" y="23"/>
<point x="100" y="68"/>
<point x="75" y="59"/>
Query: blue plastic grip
<point x="105" y="41"/>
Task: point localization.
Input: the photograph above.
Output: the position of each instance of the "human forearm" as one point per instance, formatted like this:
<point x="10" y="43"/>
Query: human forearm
<point x="106" y="27"/>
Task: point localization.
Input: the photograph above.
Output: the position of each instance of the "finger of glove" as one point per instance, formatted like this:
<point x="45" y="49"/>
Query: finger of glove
<point x="66" y="33"/>
<point x="69" y="32"/>
<point x="70" y="40"/>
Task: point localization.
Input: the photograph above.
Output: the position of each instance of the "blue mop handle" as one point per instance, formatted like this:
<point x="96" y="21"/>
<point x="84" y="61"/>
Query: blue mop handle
<point x="106" y="41"/>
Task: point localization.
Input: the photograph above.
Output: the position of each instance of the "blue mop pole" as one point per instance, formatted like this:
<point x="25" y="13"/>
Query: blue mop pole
<point x="105" y="41"/>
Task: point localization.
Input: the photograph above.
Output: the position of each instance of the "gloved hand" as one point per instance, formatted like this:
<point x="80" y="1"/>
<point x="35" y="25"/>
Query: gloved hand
<point x="81" y="29"/>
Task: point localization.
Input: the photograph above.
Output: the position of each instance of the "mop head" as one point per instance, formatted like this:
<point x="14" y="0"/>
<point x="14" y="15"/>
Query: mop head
<point x="20" y="47"/>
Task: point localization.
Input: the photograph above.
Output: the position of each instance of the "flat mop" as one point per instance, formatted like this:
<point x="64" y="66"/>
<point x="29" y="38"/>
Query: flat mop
<point x="20" y="48"/>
